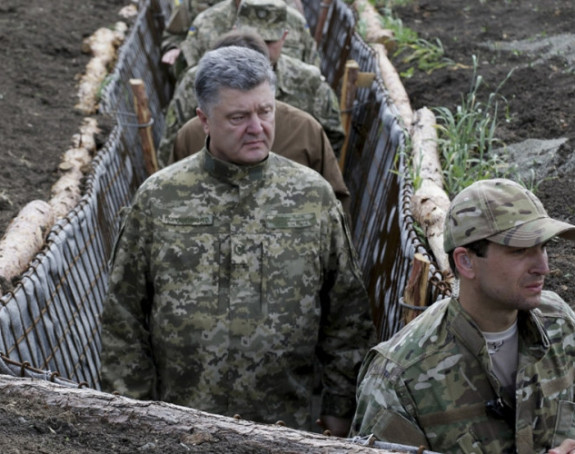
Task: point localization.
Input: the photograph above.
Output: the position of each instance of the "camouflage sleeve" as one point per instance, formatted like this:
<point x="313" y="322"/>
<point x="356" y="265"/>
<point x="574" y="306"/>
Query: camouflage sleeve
<point x="311" y="54"/>
<point x="182" y="108"/>
<point x="176" y="28"/>
<point x="347" y="329"/>
<point x="127" y="364"/>
<point x="326" y="110"/>
<point x="196" y="43"/>
<point x="382" y="405"/>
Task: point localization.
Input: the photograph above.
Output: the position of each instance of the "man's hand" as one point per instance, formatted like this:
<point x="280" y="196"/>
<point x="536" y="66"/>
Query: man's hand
<point x="338" y="427"/>
<point x="171" y="56"/>
<point x="567" y="447"/>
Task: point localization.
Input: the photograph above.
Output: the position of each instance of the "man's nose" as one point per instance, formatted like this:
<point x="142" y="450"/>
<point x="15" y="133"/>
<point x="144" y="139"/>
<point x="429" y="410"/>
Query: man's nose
<point x="254" y="124"/>
<point x="541" y="262"/>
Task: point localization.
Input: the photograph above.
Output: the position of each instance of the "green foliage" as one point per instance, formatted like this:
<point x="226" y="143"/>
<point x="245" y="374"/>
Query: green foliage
<point x="422" y="54"/>
<point x="466" y="138"/>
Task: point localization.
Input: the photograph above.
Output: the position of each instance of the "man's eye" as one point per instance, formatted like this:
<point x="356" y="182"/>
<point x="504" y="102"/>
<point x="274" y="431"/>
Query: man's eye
<point x="266" y="113"/>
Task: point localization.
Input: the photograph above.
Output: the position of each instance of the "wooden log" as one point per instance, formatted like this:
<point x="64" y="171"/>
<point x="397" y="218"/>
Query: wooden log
<point x="394" y="86"/>
<point x="67" y="191"/>
<point x="374" y="31"/>
<point x="145" y="124"/>
<point x="429" y="207"/>
<point x="90" y="410"/>
<point x="430" y="202"/>
<point x="24" y="237"/>
<point x="102" y="44"/>
<point x="415" y="293"/>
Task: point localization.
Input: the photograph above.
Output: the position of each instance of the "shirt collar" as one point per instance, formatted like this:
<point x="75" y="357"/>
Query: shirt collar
<point x="233" y="173"/>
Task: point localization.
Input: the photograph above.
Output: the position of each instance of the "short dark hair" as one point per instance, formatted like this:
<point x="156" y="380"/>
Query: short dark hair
<point x="479" y="248"/>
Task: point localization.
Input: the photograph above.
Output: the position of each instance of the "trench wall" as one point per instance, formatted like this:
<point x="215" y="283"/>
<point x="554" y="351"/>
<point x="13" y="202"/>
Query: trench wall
<point x="49" y="324"/>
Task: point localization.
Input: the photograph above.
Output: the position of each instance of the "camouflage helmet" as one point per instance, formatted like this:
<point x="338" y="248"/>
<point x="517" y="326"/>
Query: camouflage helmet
<point x="267" y="17"/>
<point x="501" y="211"/>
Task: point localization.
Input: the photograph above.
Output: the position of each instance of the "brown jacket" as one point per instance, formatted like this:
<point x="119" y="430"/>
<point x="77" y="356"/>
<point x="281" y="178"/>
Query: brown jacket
<point x="298" y="136"/>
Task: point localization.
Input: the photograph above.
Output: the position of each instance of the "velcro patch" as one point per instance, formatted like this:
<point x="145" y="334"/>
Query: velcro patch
<point x="291" y="221"/>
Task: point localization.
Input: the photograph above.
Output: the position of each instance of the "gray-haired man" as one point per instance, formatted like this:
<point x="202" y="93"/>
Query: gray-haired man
<point x="234" y="272"/>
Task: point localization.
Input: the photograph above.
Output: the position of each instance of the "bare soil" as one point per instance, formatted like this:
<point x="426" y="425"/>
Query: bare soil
<point x="40" y="49"/>
<point x="539" y="92"/>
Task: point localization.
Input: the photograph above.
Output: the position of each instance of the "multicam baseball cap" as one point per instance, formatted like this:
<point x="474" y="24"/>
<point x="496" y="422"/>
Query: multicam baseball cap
<point x="501" y="211"/>
<point x="267" y="17"/>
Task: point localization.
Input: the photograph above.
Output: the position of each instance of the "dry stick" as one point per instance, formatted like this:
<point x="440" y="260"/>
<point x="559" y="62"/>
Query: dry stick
<point x="145" y="125"/>
<point x="415" y="293"/>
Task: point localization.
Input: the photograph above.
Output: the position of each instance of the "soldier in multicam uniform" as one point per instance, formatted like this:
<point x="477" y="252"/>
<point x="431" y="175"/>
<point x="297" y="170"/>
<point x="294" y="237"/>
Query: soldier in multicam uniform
<point x="234" y="274"/>
<point x="299" y="84"/>
<point x="492" y="370"/>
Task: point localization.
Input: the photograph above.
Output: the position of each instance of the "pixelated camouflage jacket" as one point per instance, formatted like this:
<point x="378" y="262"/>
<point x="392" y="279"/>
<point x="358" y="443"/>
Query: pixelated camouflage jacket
<point x="432" y="384"/>
<point x="182" y="15"/>
<point x="226" y="283"/>
<point x="211" y="24"/>
<point x="298" y="84"/>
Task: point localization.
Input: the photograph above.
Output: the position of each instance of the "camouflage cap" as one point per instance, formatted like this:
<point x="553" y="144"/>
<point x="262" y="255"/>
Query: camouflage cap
<point x="501" y="211"/>
<point x="267" y="17"/>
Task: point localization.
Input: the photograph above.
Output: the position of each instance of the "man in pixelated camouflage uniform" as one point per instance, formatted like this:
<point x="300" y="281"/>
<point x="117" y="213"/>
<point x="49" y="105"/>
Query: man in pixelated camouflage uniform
<point x="492" y="370"/>
<point x="299" y="84"/>
<point x="209" y="25"/>
<point x="178" y="25"/>
<point x="234" y="271"/>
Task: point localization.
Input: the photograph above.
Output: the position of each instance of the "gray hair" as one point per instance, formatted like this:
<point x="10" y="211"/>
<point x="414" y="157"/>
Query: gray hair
<point x="234" y="67"/>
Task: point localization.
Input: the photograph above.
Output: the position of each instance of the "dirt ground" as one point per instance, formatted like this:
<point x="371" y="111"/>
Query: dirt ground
<point x="40" y="42"/>
<point x="539" y="94"/>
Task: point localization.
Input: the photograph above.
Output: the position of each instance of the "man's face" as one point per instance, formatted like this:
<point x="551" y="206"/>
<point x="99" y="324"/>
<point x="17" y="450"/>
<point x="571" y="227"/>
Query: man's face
<point x="241" y="124"/>
<point x="509" y="278"/>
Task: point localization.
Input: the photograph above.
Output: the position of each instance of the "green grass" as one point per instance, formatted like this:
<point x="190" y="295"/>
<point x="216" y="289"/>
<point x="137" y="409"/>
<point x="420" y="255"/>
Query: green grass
<point x="466" y="138"/>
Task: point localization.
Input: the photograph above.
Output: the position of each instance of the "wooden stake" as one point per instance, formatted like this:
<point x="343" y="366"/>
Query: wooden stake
<point x="324" y="9"/>
<point x="145" y="124"/>
<point x="415" y="293"/>
<point x="352" y="80"/>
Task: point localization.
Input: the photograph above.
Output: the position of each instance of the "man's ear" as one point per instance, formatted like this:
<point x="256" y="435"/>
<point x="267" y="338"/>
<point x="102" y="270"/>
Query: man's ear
<point x="463" y="262"/>
<point x="204" y="119"/>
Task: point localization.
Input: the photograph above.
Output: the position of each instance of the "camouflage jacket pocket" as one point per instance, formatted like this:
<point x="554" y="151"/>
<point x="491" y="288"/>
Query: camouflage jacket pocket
<point x="565" y="422"/>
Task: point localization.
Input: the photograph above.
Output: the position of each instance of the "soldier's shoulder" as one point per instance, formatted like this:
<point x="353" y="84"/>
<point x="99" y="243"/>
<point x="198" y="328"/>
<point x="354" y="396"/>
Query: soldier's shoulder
<point x="553" y="306"/>
<point x="213" y="13"/>
<point x="298" y="172"/>
<point x="287" y="113"/>
<point x="292" y="63"/>
<point x="421" y="338"/>
<point x="294" y="17"/>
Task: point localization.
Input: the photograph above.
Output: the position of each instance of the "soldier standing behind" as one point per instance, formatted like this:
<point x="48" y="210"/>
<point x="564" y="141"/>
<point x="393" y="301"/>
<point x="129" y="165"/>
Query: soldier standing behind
<point x="489" y="371"/>
<point x="178" y="27"/>
<point x="299" y="84"/>
<point x="234" y="272"/>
